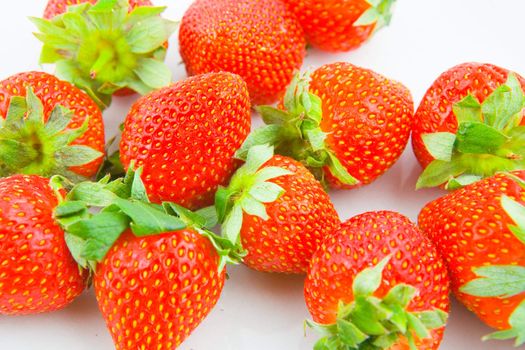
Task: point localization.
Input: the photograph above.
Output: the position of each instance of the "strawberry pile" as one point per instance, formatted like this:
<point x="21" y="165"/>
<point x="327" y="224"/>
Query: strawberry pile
<point x="153" y="227"/>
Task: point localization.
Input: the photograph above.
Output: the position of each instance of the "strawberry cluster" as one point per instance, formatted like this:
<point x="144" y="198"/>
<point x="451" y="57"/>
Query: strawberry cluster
<point x="138" y="225"/>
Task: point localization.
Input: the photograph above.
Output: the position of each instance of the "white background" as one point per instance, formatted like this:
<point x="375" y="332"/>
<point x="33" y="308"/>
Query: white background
<point x="259" y="311"/>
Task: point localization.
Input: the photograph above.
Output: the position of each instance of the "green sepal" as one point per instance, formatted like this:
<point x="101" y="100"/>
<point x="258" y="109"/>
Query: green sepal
<point x="516" y="211"/>
<point x="202" y="220"/>
<point x="440" y="145"/>
<point x="379" y="13"/>
<point x="104" y="48"/>
<point x="95" y="214"/>
<point x="249" y="191"/>
<point x="296" y="132"/>
<point x="502" y="281"/>
<point x="489" y="139"/>
<point x="370" y="323"/>
<point x="30" y="145"/>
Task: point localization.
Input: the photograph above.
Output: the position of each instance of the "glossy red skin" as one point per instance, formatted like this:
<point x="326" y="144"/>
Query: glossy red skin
<point x="470" y="229"/>
<point x="58" y="7"/>
<point x="435" y="114"/>
<point x="298" y="222"/>
<point x="363" y="242"/>
<point x="52" y="92"/>
<point x="329" y="24"/>
<point x="185" y="137"/>
<point x="367" y="117"/>
<point x="37" y="272"/>
<point x="260" y="40"/>
<point x="154" y="291"/>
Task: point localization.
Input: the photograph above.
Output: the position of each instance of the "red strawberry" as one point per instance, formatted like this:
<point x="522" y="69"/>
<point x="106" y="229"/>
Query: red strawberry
<point x="37" y="272"/>
<point x="474" y="230"/>
<point x="154" y="291"/>
<point x="400" y="303"/>
<point x="58" y="7"/>
<point x="260" y="40"/>
<point x="349" y="125"/>
<point x="185" y="137"/>
<point x="465" y="127"/>
<point x="54" y="139"/>
<point x="107" y="47"/>
<point x="334" y="25"/>
<point x="157" y="271"/>
<point x="278" y="211"/>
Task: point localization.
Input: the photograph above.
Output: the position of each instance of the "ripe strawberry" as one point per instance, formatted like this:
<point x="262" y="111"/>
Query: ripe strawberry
<point x="58" y="7"/>
<point x="277" y="210"/>
<point x="107" y="47"/>
<point x="154" y="291"/>
<point x="474" y="230"/>
<point x="349" y="125"/>
<point x="466" y="126"/>
<point x="37" y="272"/>
<point x="334" y="25"/>
<point x="157" y="271"/>
<point x="62" y="130"/>
<point x="260" y="40"/>
<point x="185" y="136"/>
<point x="378" y="283"/>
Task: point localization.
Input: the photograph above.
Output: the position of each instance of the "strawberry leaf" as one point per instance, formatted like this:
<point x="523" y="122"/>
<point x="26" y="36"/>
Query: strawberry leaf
<point x="439" y="172"/>
<point x="503" y="281"/>
<point x="468" y="110"/>
<point x="231" y="227"/>
<point x="516" y="211"/>
<point x="369" y="280"/>
<point x="440" y="145"/>
<point x="504" y="103"/>
<point x="266" y="192"/>
<point x="147" y="220"/>
<point x="266" y="135"/>
<point x="98" y="234"/>
<point x="479" y="138"/>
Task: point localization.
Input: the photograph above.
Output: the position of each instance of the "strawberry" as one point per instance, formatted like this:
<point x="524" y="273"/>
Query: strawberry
<point x="47" y="127"/>
<point x="260" y="40"/>
<point x="185" y="136"/>
<point x="378" y="283"/>
<point x="107" y="47"/>
<point x="474" y="229"/>
<point x="467" y="126"/>
<point x="334" y="25"/>
<point x="348" y="125"/>
<point x="277" y="210"/>
<point x="37" y="272"/>
<point x="157" y="271"/>
<point x="58" y="7"/>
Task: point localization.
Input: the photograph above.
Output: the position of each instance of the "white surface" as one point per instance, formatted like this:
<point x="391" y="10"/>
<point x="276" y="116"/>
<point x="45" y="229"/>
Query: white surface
<point x="259" y="311"/>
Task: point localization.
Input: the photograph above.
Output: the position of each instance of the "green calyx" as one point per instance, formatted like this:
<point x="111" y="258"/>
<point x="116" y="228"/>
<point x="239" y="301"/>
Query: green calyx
<point x="489" y="139"/>
<point x="370" y="323"/>
<point x="297" y="132"/>
<point x="95" y="214"/>
<point x="505" y="281"/>
<point x="249" y="191"/>
<point x="103" y="48"/>
<point x="379" y="13"/>
<point x="30" y="145"/>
